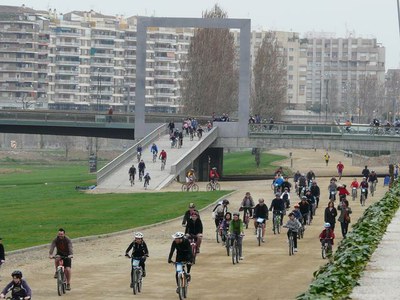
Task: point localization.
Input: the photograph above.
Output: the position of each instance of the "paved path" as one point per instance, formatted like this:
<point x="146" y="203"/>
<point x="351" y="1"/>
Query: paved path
<point x="382" y="274"/>
<point x="119" y="180"/>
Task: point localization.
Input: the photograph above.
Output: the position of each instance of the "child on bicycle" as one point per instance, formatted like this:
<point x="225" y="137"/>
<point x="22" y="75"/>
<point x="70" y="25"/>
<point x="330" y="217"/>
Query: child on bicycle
<point x="224" y="226"/>
<point x="139" y="250"/>
<point x="147" y="179"/>
<point x="327" y="234"/>
<point x="236" y="232"/>
<point x="18" y="287"/>
<point x="293" y="225"/>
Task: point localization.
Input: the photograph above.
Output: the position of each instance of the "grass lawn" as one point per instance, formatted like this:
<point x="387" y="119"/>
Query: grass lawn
<point x="243" y="163"/>
<point x="32" y="211"/>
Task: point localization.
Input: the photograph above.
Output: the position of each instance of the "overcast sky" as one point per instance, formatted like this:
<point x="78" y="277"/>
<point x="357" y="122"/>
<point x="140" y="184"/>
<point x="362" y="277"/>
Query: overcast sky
<point x="367" y="18"/>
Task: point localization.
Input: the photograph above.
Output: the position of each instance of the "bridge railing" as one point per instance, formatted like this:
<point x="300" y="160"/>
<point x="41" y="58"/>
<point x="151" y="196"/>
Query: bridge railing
<point x="130" y="153"/>
<point x="322" y="129"/>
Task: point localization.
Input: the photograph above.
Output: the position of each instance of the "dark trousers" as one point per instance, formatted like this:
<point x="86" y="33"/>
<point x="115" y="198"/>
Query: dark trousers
<point x="294" y="237"/>
<point x="345" y="227"/>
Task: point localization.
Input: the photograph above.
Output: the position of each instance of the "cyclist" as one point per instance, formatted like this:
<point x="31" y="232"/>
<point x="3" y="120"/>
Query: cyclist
<point x="139" y="250"/>
<point x="19" y="287"/>
<point x="293" y="225"/>
<point x="340" y="168"/>
<point x="190" y="178"/>
<point x="278" y="182"/>
<point x="224" y="225"/>
<point x="236" y="232"/>
<point x="261" y="211"/>
<point x="364" y="185"/>
<point x="63" y="246"/>
<point x="141" y="167"/>
<point x="304" y="208"/>
<point x="154" y="150"/>
<point x="365" y="172"/>
<point x="354" y="184"/>
<point x="302" y="183"/>
<point x="278" y="206"/>
<point x="194" y="229"/>
<point x="296" y="177"/>
<point x="146" y="179"/>
<point x="220" y="210"/>
<point x="297" y="213"/>
<point x="343" y="192"/>
<point x="327" y="234"/>
<point x="310" y="177"/>
<point x="372" y="178"/>
<point x="163" y="156"/>
<point x="132" y="173"/>
<point x="311" y="201"/>
<point x="348" y="126"/>
<point x="247" y="205"/>
<point x="200" y="131"/>
<point x="286" y="184"/>
<point x="183" y="253"/>
<point x="286" y="197"/>
<point x="332" y="188"/>
<point x="315" y="191"/>
<point x="139" y="150"/>
<point x="213" y="175"/>
<point x="188" y="213"/>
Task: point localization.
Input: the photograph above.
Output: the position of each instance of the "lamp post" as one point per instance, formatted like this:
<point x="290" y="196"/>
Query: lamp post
<point x="98" y="89"/>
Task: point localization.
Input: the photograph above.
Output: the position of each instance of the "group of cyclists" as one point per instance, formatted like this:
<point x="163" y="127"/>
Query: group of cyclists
<point x="190" y="128"/>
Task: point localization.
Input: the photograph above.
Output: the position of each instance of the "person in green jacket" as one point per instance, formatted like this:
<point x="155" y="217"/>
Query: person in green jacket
<point x="236" y="232"/>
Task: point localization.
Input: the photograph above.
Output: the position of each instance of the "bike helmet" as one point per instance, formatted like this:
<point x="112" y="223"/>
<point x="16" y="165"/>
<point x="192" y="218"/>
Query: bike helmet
<point x="191" y="205"/>
<point x="214" y="168"/>
<point x="225" y="201"/>
<point x="17" y="274"/>
<point x="178" y="235"/>
<point x="327" y="225"/>
<point x="138" y="235"/>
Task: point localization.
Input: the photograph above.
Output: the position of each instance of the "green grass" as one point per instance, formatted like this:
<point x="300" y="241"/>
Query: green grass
<point x="32" y="211"/>
<point x="243" y="163"/>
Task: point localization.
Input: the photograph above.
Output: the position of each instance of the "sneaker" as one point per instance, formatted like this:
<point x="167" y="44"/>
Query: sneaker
<point x="295" y="250"/>
<point x="263" y="240"/>
<point x="198" y="251"/>
<point x="131" y="285"/>
<point x="241" y="258"/>
<point x="68" y="288"/>
<point x="55" y="275"/>
<point x="177" y="290"/>
<point x="144" y="274"/>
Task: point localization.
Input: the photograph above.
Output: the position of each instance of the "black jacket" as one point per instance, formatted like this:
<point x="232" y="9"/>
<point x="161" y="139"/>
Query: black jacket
<point x="183" y="251"/>
<point x="330" y="215"/>
<point x="139" y="250"/>
<point x="261" y="211"/>
<point x="194" y="227"/>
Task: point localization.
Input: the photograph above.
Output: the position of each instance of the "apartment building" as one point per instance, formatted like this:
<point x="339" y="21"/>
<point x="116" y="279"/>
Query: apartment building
<point x="336" y="66"/>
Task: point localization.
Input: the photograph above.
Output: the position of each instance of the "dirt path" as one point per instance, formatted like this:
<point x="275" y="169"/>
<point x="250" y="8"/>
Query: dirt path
<point x="101" y="271"/>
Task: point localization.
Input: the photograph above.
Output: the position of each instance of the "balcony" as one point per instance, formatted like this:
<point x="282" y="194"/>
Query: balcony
<point x="67" y="62"/>
<point x="103" y="46"/>
<point x="68" y="53"/>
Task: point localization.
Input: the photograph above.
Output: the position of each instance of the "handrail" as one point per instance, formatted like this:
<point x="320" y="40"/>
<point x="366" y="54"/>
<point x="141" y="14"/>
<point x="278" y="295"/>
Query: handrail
<point x="129" y="154"/>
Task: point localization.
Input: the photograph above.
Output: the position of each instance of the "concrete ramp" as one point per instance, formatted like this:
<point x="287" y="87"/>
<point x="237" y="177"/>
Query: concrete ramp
<point x="178" y="160"/>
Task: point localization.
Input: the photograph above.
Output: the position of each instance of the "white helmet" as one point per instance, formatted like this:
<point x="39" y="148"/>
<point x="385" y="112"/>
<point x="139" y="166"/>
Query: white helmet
<point x="327" y="225"/>
<point x="138" y="235"/>
<point x="178" y="235"/>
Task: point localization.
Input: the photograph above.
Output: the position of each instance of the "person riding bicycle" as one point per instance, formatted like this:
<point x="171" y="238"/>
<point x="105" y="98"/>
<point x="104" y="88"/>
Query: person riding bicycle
<point x="304" y="208"/>
<point x="278" y="181"/>
<point x="293" y="225"/>
<point x="286" y="184"/>
<point x="63" y="246"/>
<point x="261" y="211"/>
<point x="188" y="213"/>
<point x="296" y="176"/>
<point x="316" y="192"/>
<point x="139" y="150"/>
<point x="236" y="232"/>
<point x="354" y="184"/>
<point x="224" y="225"/>
<point x="154" y="149"/>
<point x="343" y="192"/>
<point x="302" y="184"/>
<point x="190" y="177"/>
<point x="376" y="122"/>
<point x="141" y="167"/>
<point x="163" y="156"/>
<point x="348" y="125"/>
<point x="364" y="185"/>
<point x="332" y="188"/>
<point x="312" y="202"/>
<point x="247" y="205"/>
<point x="278" y="206"/>
<point x="147" y="179"/>
<point x="139" y="250"/>
<point x="327" y="235"/>
<point x="213" y="175"/>
<point x="19" y="287"/>
<point x="183" y="253"/>
<point x="219" y="211"/>
<point x="310" y="177"/>
<point x="194" y="229"/>
<point x="285" y="196"/>
<point x="340" y="168"/>
<point x="200" y="131"/>
<point x="132" y="173"/>
<point x="297" y="213"/>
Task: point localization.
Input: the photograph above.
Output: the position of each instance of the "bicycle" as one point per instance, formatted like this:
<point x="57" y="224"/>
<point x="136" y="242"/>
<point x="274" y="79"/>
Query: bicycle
<point x="190" y="186"/>
<point x="136" y="275"/>
<point x="139" y="156"/>
<point x="141" y="174"/>
<point x="372" y="187"/>
<point x="226" y="240"/>
<point x="291" y="242"/>
<point x="60" y="274"/>
<point x="154" y="156"/>
<point x="193" y="245"/>
<point x="259" y="231"/>
<point x="363" y="196"/>
<point x="300" y="233"/>
<point x="163" y="162"/>
<point x="326" y="248"/>
<point x="218" y="232"/>
<point x="183" y="279"/>
<point x="332" y="195"/>
<point x="234" y="248"/>
<point x="246" y="216"/>
<point x="132" y="180"/>
<point x="354" y="193"/>
<point x="277" y="222"/>
<point x="213" y="186"/>
<point x="146" y="184"/>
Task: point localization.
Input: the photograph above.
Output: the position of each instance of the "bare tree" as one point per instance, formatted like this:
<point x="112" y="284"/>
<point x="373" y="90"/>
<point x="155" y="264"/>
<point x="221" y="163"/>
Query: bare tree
<point x="269" y="88"/>
<point x="210" y="77"/>
<point x="369" y="94"/>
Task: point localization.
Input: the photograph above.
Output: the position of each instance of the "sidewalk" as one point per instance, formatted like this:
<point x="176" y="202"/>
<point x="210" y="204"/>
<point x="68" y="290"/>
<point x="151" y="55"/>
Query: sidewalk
<point x="382" y="273"/>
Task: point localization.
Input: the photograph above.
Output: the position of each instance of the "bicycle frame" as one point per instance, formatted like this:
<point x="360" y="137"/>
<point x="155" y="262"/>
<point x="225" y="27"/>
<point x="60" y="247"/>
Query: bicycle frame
<point x="277" y="221"/>
<point x="61" y="277"/>
<point x="182" y="279"/>
<point x="137" y="273"/>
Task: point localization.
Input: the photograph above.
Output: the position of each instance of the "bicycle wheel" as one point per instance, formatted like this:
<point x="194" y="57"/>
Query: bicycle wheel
<point x="217" y="187"/>
<point x="181" y="286"/>
<point x="233" y="254"/>
<point x="208" y="187"/>
<point x="195" y="187"/>
<point x="274" y="225"/>
<point x="362" y="199"/>
<point x="139" y="280"/>
<point x="291" y="246"/>
<point x="184" y="187"/>
<point x="302" y="232"/>
<point x="217" y="234"/>
<point x="134" y="282"/>
<point x="194" y="253"/>
<point x="278" y="224"/>
<point x="227" y="246"/>
<point x="237" y="252"/>
<point x="354" y="194"/>
<point x="259" y="235"/>
<point x="60" y="283"/>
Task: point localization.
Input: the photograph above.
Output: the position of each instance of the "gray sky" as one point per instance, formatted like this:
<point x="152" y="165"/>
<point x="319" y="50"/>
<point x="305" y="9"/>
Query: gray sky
<point x="367" y="18"/>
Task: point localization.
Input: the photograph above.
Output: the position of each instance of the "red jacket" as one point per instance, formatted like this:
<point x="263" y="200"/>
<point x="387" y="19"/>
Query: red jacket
<point x="327" y="234"/>
<point x="214" y="174"/>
